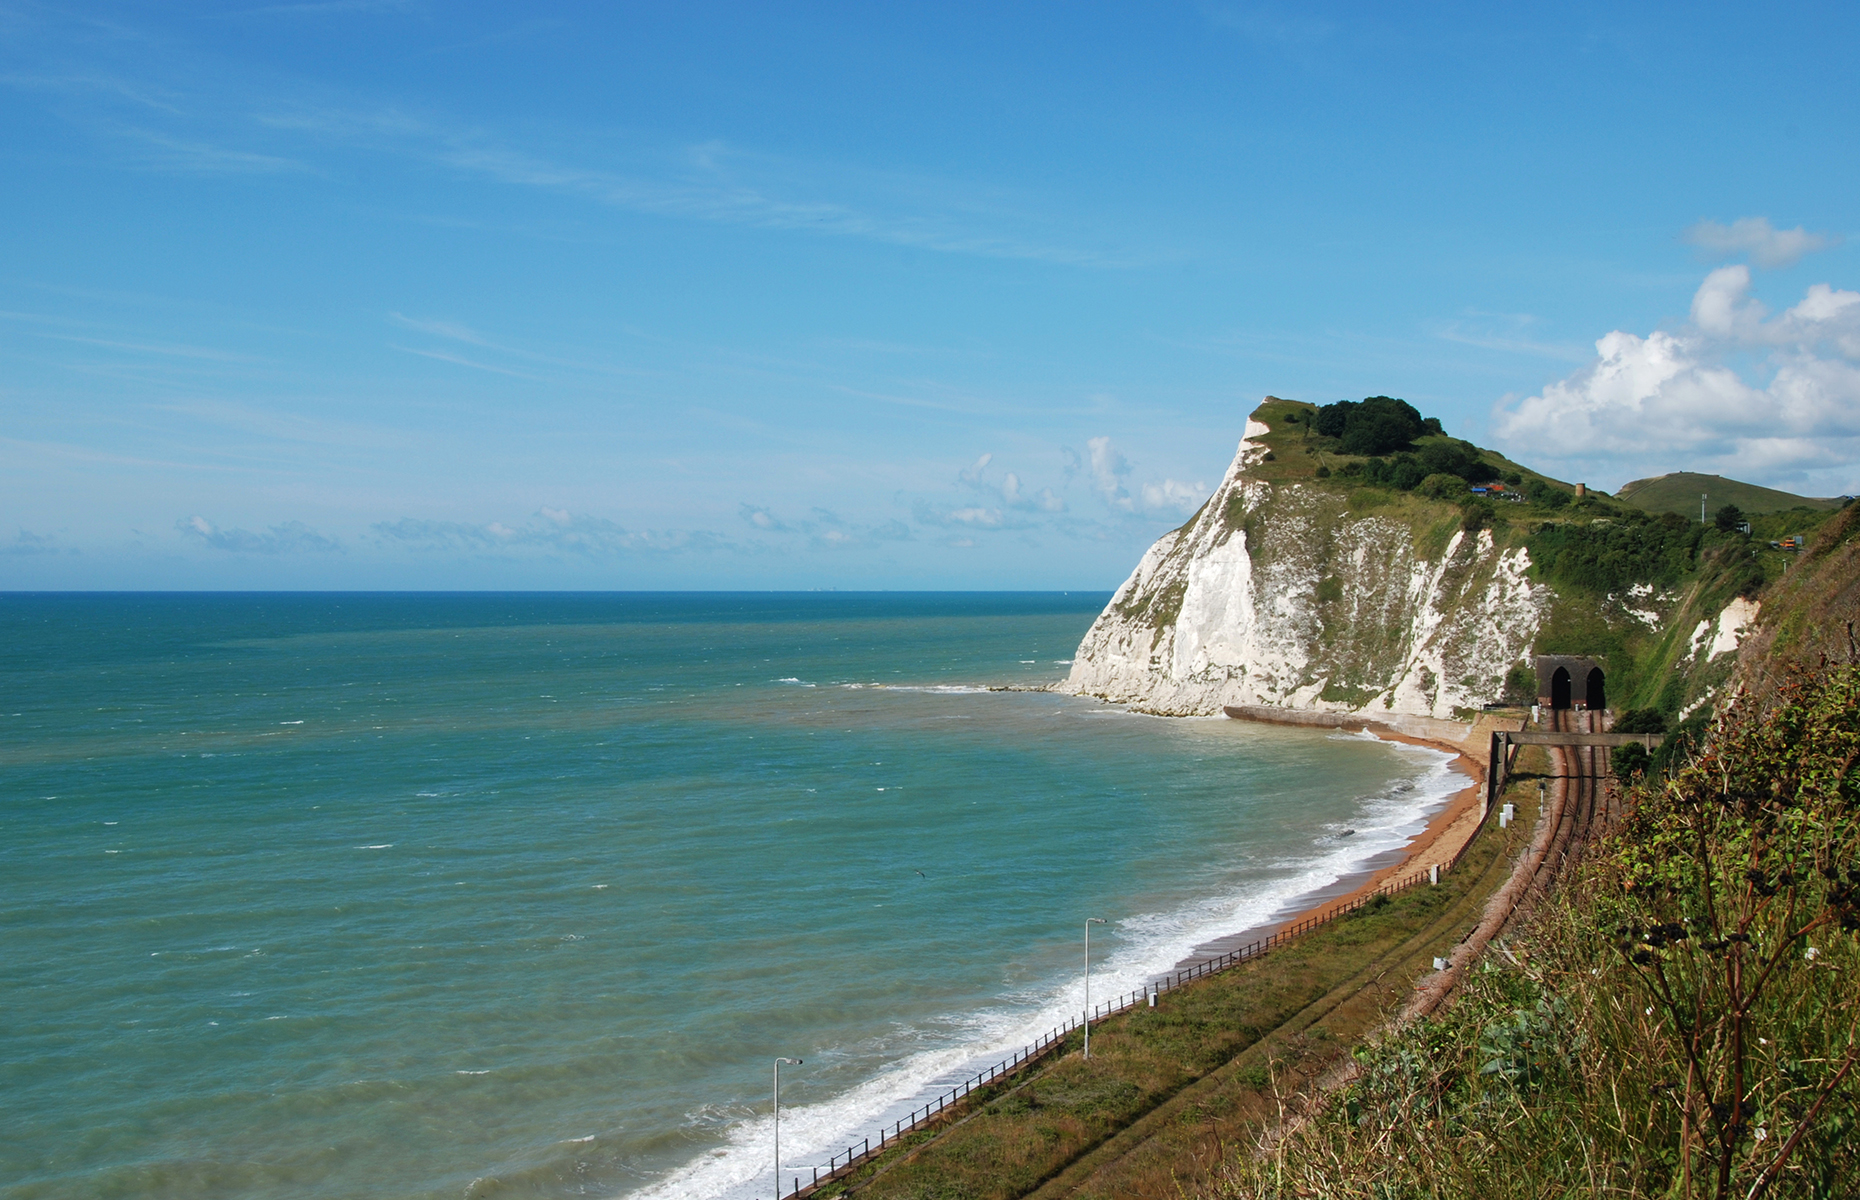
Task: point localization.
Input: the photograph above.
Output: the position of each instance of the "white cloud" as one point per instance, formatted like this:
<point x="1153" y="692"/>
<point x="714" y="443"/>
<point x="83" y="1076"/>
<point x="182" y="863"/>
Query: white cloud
<point x="761" y="518"/>
<point x="1766" y="245"/>
<point x="288" y="538"/>
<point x="1108" y="470"/>
<point x="1735" y="391"/>
<point x="1108" y="467"/>
<point x="1012" y="491"/>
<point x="1172" y="495"/>
<point x="1042" y="501"/>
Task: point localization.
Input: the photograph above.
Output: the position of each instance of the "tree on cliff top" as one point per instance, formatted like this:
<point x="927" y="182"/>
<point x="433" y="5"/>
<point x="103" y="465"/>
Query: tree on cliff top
<point x="1377" y="425"/>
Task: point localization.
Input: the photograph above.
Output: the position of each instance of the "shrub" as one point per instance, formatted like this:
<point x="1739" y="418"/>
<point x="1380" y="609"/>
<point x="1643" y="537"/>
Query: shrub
<point x="1641" y="720"/>
<point x="1455" y="458"/>
<point x="1479" y="514"/>
<point x="1548" y="495"/>
<point x="1443" y="487"/>
<point x="1406" y="474"/>
<point x="1629" y="762"/>
<point x="1521" y="684"/>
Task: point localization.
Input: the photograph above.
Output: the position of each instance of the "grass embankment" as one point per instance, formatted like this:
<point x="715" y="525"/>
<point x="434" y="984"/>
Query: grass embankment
<point x="1167" y="1088"/>
<point x="1679" y="493"/>
<point x="1682" y="1020"/>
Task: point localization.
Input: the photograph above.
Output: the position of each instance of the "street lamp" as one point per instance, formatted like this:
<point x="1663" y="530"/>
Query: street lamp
<point x="793" y="1062"/>
<point x="1089" y="922"/>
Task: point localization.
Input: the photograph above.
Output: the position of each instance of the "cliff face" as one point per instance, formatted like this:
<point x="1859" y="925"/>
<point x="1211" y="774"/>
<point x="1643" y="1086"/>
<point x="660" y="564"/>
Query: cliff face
<point x="1278" y="594"/>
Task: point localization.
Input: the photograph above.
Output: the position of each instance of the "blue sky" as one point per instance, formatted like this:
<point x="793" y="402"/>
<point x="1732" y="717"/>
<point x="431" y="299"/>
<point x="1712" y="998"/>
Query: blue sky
<point x="360" y="295"/>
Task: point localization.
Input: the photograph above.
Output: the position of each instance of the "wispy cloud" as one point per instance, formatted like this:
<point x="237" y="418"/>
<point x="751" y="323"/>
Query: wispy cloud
<point x="825" y="529"/>
<point x="166" y="349"/>
<point x="1271" y="24"/>
<point x="458" y="332"/>
<point x="1766" y="245"/>
<point x="550" y="530"/>
<point x="967" y="516"/>
<point x="29" y="545"/>
<point x="174" y="109"/>
<point x="326" y="8"/>
<point x="461" y="361"/>
<point x="1507" y="332"/>
<point x="718" y="182"/>
<point x="87" y="83"/>
<point x="197" y="156"/>
<point x="289" y="538"/>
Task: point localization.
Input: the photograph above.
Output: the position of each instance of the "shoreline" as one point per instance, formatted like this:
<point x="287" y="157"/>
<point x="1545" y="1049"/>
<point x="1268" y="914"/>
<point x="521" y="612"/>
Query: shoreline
<point x="1447" y="832"/>
<point x="1448" y="829"/>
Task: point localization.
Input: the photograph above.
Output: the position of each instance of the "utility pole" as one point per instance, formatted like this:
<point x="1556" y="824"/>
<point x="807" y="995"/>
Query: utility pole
<point x="1702" y="508"/>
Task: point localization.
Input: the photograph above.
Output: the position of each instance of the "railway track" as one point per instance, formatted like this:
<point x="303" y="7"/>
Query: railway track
<point x="1578" y="809"/>
<point x="1583" y="806"/>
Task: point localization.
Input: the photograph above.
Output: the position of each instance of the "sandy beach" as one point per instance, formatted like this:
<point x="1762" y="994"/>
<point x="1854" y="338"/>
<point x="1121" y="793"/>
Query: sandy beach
<point x="1447" y="833"/>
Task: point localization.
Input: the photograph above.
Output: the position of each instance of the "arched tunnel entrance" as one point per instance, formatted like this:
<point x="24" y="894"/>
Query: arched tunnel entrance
<point x="1570" y="681"/>
<point x="1559" y="689"/>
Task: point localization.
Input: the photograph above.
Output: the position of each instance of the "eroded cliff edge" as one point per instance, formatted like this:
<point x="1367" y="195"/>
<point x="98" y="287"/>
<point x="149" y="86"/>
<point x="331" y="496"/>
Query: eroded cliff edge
<point x="1296" y="593"/>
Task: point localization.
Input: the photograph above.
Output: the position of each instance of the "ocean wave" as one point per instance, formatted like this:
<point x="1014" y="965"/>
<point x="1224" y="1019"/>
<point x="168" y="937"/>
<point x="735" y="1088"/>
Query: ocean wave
<point x="1147" y="945"/>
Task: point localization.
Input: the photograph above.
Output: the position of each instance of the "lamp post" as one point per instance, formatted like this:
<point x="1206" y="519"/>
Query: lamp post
<point x="793" y="1062"/>
<point x="1089" y="922"/>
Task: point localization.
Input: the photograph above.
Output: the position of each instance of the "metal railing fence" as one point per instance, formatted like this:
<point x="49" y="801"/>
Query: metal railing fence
<point x="866" y="1148"/>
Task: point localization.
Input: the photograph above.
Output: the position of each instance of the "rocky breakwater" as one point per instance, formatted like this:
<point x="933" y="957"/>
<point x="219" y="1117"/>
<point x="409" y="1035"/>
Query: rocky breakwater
<point x="1290" y="589"/>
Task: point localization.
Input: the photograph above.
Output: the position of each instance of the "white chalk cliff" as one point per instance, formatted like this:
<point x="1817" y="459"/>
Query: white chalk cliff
<point x="1276" y="594"/>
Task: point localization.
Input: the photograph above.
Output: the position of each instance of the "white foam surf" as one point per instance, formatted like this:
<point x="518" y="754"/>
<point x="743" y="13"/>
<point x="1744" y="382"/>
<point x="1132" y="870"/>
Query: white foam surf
<point x="1145" y="945"/>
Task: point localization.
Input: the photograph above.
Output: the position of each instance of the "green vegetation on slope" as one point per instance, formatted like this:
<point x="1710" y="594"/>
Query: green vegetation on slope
<point x="1679" y="493"/>
<point x="1813" y="611"/>
<point x="1681" y="1021"/>
<point x="1388" y="445"/>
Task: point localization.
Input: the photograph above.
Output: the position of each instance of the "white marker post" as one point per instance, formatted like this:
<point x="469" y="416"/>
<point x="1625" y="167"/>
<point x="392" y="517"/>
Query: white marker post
<point x="793" y="1062"/>
<point x="1089" y="922"/>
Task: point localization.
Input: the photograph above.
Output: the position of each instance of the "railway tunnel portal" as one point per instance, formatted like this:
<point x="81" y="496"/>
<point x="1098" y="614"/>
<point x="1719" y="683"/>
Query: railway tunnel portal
<point x="1568" y="681"/>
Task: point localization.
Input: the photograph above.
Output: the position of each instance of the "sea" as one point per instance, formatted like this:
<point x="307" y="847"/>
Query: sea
<point x="498" y="895"/>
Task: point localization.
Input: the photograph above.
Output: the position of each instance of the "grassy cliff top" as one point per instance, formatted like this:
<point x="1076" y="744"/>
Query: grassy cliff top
<point x="1679" y="493"/>
<point x="1300" y="454"/>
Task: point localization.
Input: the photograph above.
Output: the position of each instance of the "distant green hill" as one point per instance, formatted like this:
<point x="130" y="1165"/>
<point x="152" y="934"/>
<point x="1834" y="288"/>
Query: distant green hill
<point x="1679" y="493"/>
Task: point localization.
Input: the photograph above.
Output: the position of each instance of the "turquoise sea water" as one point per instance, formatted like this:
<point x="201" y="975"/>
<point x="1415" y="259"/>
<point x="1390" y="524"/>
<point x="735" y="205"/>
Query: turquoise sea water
<point x="518" y="895"/>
